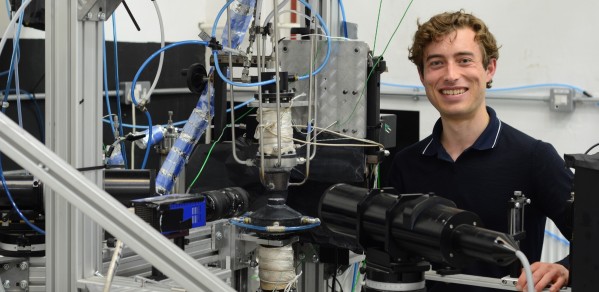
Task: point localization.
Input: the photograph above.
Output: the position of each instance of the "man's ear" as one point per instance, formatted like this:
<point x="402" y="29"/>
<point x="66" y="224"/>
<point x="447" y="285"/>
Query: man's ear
<point x="491" y="68"/>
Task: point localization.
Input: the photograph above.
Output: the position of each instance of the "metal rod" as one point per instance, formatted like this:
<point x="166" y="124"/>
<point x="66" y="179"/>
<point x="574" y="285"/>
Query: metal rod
<point x="260" y="115"/>
<point x="232" y="96"/>
<point x="275" y="40"/>
<point x="310" y="96"/>
<point x="83" y="194"/>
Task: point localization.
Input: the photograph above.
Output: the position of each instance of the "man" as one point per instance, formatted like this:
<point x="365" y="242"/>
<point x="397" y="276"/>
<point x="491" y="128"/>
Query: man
<point x="474" y="159"/>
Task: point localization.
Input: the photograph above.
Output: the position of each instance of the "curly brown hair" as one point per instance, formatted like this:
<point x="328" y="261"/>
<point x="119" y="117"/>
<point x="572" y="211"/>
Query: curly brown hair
<point x="442" y="24"/>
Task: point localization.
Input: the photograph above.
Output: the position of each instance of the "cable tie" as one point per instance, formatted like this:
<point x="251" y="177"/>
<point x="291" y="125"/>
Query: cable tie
<point x="214" y="45"/>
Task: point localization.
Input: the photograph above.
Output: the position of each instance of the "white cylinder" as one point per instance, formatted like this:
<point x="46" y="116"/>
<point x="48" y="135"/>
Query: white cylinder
<point x="269" y="118"/>
<point x="276" y="267"/>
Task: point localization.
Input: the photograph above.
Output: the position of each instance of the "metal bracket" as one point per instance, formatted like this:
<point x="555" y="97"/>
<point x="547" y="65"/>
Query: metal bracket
<point x="96" y="10"/>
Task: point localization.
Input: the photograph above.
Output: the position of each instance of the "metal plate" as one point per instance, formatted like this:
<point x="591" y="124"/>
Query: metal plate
<point x="340" y="94"/>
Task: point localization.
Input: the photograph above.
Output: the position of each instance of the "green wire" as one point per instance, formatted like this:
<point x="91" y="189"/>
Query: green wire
<point x="212" y="147"/>
<point x="377" y="62"/>
<point x="376" y="31"/>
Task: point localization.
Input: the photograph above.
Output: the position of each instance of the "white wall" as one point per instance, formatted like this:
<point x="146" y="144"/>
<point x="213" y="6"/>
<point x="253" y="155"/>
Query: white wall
<point x="543" y="41"/>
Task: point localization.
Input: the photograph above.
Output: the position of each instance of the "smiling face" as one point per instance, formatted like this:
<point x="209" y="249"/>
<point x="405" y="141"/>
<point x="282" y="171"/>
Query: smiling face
<point x="454" y="75"/>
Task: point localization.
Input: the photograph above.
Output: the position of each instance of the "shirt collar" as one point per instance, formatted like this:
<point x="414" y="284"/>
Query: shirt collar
<point x="487" y="140"/>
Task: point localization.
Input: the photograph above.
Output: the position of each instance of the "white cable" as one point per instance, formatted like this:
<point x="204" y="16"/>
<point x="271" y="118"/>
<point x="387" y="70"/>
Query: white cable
<point x="293" y="281"/>
<point x="373" y="144"/>
<point x="10" y="27"/>
<point x="271" y="14"/>
<point x="527" y="270"/>
<point x="147" y="96"/>
<point x="344" y="135"/>
<point x="114" y="263"/>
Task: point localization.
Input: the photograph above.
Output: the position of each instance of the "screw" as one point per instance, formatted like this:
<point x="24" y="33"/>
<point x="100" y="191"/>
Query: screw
<point x="356" y="50"/>
<point x="253" y="263"/>
<point x="6" y="284"/>
<point x="101" y="16"/>
<point x="89" y="15"/>
<point x="6" y="267"/>
<point x="23" y="265"/>
<point x="24" y="284"/>
<point x="354" y="92"/>
<point x="301" y="256"/>
<point x="345" y="91"/>
<point x="450" y="255"/>
<point x="219" y="235"/>
<point x="314" y="258"/>
<point x="450" y="226"/>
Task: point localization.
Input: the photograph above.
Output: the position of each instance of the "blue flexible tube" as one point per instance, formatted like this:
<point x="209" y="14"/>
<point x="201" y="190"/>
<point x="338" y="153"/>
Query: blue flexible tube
<point x="38" y="112"/>
<point x="262" y="228"/>
<point x="143" y="66"/>
<point x="11" y="70"/>
<point x="303" y="77"/>
<point x="344" y="19"/>
<point x="14" y="205"/>
<point x="118" y="98"/>
<point x="355" y="280"/>
<point x="184" y="121"/>
<point x="106" y="98"/>
<point x="532" y="86"/>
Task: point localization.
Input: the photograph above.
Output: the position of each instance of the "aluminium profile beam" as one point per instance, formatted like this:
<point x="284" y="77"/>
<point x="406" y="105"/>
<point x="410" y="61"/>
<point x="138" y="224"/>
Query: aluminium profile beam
<point x="83" y="194"/>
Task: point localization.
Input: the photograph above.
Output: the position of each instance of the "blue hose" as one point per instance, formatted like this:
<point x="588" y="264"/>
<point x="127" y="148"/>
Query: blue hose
<point x="264" y="229"/>
<point x="14" y="205"/>
<point x="303" y="77"/>
<point x="344" y="19"/>
<point x="532" y="86"/>
<point x="181" y="122"/>
<point x="143" y="66"/>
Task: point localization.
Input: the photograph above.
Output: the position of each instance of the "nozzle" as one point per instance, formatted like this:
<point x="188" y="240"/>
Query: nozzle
<point x="484" y="244"/>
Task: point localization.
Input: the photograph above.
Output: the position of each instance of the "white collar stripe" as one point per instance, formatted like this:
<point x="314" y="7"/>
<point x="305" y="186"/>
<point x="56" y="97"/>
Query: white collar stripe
<point x="497" y="135"/>
<point x="429" y="144"/>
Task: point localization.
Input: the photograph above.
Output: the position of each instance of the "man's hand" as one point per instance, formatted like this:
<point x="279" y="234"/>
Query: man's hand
<point x="545" y="275"/>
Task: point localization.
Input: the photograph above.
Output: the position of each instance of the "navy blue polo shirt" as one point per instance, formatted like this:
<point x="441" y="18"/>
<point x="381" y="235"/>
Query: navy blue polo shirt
<point x="484" y="178"/>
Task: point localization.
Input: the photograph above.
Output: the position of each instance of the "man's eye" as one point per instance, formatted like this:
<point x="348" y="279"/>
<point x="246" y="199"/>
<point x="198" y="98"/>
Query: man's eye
<point x="435" y="63"/>
<point x="466" y="61"/>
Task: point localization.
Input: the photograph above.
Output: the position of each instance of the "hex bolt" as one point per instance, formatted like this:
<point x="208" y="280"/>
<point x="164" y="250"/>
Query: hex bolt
<point x="23" y="265"/>
<point x="89" y="15"/>
<point x="315" y="258"/>
<point x="101" y="16"/>
<point x="6" y="267"/>
<point x="219" y="235"/>
<point x="24" y="284"/>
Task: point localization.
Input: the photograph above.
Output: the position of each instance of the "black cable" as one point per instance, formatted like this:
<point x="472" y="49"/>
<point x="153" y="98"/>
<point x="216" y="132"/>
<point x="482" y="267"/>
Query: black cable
<point x="131" y="15"/>
<point x="587" y="152"/>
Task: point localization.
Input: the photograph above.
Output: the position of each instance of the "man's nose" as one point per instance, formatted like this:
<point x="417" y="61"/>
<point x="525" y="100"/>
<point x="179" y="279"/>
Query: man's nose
<point x="452" y="72"/>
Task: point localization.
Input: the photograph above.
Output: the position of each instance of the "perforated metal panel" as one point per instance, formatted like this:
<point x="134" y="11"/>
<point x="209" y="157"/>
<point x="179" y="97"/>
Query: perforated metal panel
<point x="340" y="94"/>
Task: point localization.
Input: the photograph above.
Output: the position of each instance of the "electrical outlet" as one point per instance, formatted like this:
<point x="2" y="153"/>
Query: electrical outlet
<point x="141" y="89"/>
<point x="561" y="100"/>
